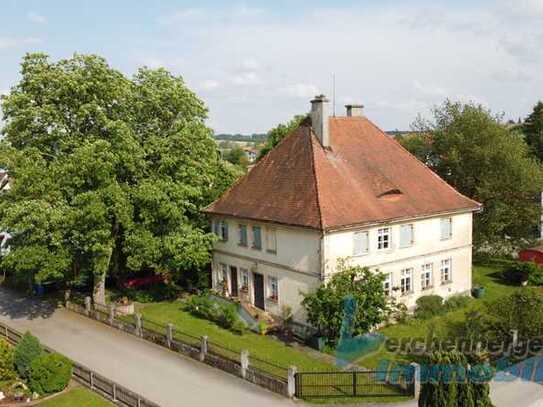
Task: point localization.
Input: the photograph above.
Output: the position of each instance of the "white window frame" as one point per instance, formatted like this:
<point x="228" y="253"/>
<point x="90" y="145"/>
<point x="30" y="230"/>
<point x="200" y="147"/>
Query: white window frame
<point x="387" y="284"/>
<point x="253" y="228"/>
<point x="412" y="240"/>
<point x="384" y="238"/>
<point x="426" y="276"/>
<point x="443" y="221"/>
<point x="406" y="281"/>
<point x="446" y="269"/>
<point x="223" y="231"/>
<point x="242" y="226"/>
<point x="244" y="279"/>
<point x="271" y="240"/>
<point x="273" y="282"/>
<point x="223" y="276"/>
<point x="364" y="249"/>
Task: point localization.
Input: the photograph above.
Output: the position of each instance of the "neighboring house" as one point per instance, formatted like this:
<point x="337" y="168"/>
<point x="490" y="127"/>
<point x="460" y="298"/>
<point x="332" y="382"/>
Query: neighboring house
<point x="340" y="188"/>
<point x="251" y="153"/>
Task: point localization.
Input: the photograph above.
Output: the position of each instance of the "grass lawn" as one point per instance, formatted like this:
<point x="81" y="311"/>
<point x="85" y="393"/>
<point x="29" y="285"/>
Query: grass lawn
<point x="488" y="276"/>
<point x="259" y="346"/>
<point x="78" y="396"/>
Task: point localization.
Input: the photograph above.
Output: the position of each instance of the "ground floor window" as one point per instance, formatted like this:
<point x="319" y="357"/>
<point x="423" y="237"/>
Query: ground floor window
<point x="244" y="279"/>
<point x="405" y="281"/>
<point x="426" y="276"/>
<point x="446" y="270"/>
<point x="273" y="288"/>
<point x="387" y="284"/>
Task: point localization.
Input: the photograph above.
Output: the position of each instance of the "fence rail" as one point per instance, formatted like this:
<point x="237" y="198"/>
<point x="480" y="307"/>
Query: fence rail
<point x="354" y="384"/>
<point x="107" y="388"/>
<point x="258" y="371"/>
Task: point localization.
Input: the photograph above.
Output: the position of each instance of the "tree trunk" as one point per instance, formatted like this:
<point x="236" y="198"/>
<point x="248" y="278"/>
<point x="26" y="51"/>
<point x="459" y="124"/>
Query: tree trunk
<point x="101" y="267"/>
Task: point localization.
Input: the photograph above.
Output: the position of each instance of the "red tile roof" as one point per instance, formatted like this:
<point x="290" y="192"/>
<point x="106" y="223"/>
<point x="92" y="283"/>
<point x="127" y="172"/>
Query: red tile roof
<point x="364" y="177"/>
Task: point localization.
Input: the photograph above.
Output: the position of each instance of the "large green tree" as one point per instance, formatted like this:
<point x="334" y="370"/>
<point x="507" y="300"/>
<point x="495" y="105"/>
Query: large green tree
<point x="533" y="130"/>
<point x="477" y="154"/>
<point x="109" y="172"/>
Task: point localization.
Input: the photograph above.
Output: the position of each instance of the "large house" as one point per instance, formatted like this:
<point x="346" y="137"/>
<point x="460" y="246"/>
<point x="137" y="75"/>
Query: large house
<point x="339" y="189"/>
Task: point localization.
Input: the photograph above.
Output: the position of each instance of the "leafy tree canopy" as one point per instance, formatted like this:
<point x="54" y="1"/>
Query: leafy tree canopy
<point x="278" y="133"/>
<point x="533" y="130"/>
<point x="109" y="172"/>
<point x="237" y="156"/>
<point x="477" y="154"/>
<point x="325" y="306"/>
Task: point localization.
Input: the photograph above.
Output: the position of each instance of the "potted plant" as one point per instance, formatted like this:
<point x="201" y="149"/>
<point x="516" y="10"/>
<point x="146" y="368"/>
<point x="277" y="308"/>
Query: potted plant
<point x="125" y="306"/>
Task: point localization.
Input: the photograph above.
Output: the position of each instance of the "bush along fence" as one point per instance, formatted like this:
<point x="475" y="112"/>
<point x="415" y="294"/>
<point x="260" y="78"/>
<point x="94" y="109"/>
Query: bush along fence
<point x="286" y="381"/>
<point x="108" y="389"/>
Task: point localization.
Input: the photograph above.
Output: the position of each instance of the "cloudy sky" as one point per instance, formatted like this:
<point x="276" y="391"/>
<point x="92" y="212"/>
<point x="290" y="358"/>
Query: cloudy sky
<point x="258" y="63"/>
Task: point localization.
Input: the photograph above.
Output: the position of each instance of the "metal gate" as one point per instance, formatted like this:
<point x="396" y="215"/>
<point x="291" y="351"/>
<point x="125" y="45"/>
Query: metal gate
<point x="354" y="384"/>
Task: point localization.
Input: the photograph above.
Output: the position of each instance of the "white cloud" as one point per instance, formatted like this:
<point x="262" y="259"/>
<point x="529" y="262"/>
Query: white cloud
<point x="398" y="61"/>
<point x="302" y="90"/>
<point x="12" y="42"/>
<point x="36" y="18"/>
<point x="210" y="84"/>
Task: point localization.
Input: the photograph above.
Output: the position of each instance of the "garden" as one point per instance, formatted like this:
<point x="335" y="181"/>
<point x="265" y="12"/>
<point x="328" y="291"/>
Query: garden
<point x="29" y="373"/>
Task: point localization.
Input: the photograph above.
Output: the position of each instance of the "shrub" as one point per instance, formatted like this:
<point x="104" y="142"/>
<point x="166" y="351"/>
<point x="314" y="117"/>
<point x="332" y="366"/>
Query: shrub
<point x="26" y="351"/>
<point x="50" y="373"/>
<point x="262" y="328"/>
<point x="456" y="302"/>
<point x="7" y="367"/>
<point x="521" y="271"/>
<point x="152" y="293"/>
<point x="429" y="306"/>
<point x="239" y="327"/>
<point x="227" y="315"/>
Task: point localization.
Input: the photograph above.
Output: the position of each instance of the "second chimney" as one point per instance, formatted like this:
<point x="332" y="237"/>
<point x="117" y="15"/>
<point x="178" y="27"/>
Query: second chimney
<point x="355" y="110"/>
<point x="319" y="119"/>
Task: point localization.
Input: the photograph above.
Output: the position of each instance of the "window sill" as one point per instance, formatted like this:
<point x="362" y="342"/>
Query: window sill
<point x="427" y="288"/>
<point x="407" y="294"/>
<point x="444" y="239"/>
<point x="242" y="245"/>
<point x="446" y="282"/>
<point x="360" y="254"/>
<point x="271" y="251"/>
<point x="273" y="300"/>
<point x="406" y="247"/>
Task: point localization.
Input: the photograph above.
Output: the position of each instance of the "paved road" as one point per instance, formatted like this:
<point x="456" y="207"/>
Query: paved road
<point x="155" y="373"/>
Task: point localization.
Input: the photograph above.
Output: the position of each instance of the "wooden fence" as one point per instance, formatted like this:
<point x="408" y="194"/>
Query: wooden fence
<point x="260" y="372"/>
<point x="107" y="388"/>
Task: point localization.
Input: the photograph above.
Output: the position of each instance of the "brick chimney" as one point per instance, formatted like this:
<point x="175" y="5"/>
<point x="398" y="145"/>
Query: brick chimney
<point x="355" y="110"/>
<point x="319" y="119"/>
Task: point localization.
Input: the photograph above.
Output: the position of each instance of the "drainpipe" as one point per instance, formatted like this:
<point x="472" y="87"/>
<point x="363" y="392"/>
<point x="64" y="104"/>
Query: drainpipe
<point x="322" y="256"/>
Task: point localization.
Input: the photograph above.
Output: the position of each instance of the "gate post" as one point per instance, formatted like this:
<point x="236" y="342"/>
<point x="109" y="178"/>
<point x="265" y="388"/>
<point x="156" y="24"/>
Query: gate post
<point x="203" y="348"/>
<point x="354" y="383"/>
<point x="67" y="298"/>
<point x="111" y="313"/>
<point x="244" y="362"/>
<point x="416" y="380"/>
<point x="88" y="306"/>
<point x="169" y="335"/>
<point x="138" y="324"/>
<point x="291" y="383"/>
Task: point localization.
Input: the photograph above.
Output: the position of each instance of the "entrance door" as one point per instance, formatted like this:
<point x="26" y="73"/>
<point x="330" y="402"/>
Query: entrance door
<point x="233" y="281"/>
<point x="258" y="285"/>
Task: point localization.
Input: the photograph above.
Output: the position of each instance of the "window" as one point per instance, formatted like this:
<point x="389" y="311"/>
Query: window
<point x="360" y="243"/>
<point x="257" y="237"/>
<point x="405" y="282"/>
<point x="223" y="277"/>
<point x="446" y="228"/>
<point x="216" y="227"/>
<point x="223" y="231"/>
<point x="426" y="276"/>
<point x="244" y="279"/>
<point x="271" y="240"/>
<point x="274" y="288"/>
<point x="446" y="271"/>
<point x="406" y="235"/>
<point x="383" y="238"/>
<point x="242" y="229"/>
<point x="387" y="285"/>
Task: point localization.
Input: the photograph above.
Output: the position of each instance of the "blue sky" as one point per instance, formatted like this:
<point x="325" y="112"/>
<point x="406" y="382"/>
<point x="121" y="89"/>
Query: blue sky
<point x="258" y="63"/>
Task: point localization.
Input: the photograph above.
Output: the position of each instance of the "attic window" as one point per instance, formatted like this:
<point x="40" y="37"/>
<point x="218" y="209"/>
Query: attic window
<point x="390" y="195"/>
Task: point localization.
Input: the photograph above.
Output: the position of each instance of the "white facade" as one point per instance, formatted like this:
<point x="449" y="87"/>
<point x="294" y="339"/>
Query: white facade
<point x="420" y="257"/>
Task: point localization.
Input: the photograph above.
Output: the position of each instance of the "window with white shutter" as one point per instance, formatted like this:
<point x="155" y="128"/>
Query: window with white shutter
<point x="360" y="243"/>
<point x="406" y="235"/>
<point x="446" y="228"/>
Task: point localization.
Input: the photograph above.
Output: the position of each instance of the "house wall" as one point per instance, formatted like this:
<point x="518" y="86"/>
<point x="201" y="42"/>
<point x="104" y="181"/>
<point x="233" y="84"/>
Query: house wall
<point x="296" y="263"/>
<point x="426" y="248"/>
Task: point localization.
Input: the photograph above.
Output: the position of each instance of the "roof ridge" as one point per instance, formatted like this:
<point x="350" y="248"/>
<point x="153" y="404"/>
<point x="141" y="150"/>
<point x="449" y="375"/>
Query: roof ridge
<point x="419" y="162"/>
<point x="314" y="170"/>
